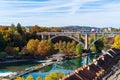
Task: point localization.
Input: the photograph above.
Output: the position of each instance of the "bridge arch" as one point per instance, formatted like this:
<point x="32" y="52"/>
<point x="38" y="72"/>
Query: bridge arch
<point x="71" y="37"/>
<point x="94" y="42"/>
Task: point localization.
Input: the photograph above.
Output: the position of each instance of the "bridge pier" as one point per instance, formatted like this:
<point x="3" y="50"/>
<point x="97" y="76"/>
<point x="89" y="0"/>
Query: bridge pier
<point x="95" y="37"/>
<point x="42" y="36"/>
<point x="86" y="60"/>
<point x="49" y="36"/>
<point x="78" y="37"/>
<point x="86" y="42"/>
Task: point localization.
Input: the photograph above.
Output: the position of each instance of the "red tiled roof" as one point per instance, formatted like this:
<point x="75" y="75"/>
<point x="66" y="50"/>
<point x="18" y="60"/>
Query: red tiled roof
<point x="96" y="68"/>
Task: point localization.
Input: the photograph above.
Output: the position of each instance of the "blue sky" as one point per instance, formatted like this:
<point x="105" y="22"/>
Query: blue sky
<point x="99" y="13"/>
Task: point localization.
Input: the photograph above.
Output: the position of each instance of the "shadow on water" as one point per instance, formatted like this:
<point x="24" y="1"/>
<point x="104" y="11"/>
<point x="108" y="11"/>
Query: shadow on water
<point x="16" y="66"/>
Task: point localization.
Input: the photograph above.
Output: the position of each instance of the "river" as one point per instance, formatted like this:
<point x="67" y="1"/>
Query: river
<point x="66" y="66"/>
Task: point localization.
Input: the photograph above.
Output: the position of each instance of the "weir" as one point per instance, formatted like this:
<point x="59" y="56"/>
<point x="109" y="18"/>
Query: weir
<point x="36" y="68"/>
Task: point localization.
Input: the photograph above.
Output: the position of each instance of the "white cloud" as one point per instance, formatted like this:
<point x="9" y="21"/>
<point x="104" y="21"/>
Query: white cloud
<point x="60" y="12"/>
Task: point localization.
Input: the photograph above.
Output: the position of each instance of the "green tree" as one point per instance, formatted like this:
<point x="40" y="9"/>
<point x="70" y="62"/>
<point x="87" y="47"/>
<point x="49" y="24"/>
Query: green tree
<point x="99" y="45"/>
<point x="79" y="49"/>
<point x="3" y="43"/>
<point x="19" y="29"/>
<point x="12" y="28"/>
<point x="92" y="48"/>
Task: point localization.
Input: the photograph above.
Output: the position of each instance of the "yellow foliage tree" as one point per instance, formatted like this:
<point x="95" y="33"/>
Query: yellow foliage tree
<point x="29" y="78"/>
<point x="44" y="47"/>
<point x="32" y="45"/>
<point x="38" y="78"/>
<point x="19" y="78"/>
<point x="55" y="76"/>
<point x="116" y="42"/>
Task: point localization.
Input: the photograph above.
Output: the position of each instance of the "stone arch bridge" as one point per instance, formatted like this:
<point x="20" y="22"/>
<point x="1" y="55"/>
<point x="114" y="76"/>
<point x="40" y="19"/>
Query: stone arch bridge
<point x="76" y="36"/>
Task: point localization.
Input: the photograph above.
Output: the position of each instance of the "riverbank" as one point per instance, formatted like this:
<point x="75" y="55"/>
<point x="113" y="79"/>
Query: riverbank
<point x="48" y="62"/>
<point x="12" y="61"/>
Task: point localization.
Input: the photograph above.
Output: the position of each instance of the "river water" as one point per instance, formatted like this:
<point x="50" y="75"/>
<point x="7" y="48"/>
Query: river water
<point x="66" y="66"/>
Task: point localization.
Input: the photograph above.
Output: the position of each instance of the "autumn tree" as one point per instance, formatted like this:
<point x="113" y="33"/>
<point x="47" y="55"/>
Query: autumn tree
<point x="55" y="76"/>
<point x="19" y="78"/>
<point x="79" y="49"/>
<point x="56" y="46"/>
<point x="92" y="48"/>
<point x="6" y="35"/>
<point x="44" y="47"/>
<point x="116" y="42"/>
<point x="30" y="78"/>
<point x="67" y="48"/>
<point x="55" y="29"/>
<point x="35" y="29"/>
<point x="32" y="45"/>
<point x="39" y="78"/>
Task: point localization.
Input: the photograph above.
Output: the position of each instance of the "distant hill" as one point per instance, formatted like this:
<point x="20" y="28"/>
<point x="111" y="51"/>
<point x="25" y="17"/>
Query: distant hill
<point x="78" y="28"/>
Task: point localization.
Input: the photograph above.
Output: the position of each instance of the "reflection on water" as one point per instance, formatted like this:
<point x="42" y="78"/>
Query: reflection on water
<point x="66" y="66"/>
<point x="16" y="66"/>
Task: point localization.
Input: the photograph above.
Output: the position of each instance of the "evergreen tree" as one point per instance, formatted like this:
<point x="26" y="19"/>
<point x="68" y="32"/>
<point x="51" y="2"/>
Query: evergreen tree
<point x="19" y="29"/>
<point x="99" y="45"/>
<point x="12" y="28"/>
<point x="3" y="43"/>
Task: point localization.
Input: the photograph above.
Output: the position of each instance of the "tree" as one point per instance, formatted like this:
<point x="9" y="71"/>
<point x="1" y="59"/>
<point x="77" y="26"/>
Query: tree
<point x="19" y="29"/>
<point x="35" y="29"/>
<point x="12" y="50"/>
<point x="32" y="45"/>
<point x="92" y="48"/>
<point x="38" y="78"/>
<point x="18" y="41"/>
<point x="19" y="78"/>
<point x="44" y="47"/>
<point x="66" y="48"/>
<point x="56" y="46"/>
<point x="99" y="45"/>
<point x="12" y="28"/>
<point x="79" y="49"/>
<point x="73" y="46"/>
<point x="116" y="42"/>
<point x="55" y="76"/>
<point x="29" y="78"/>
<point x="3" y="43"/>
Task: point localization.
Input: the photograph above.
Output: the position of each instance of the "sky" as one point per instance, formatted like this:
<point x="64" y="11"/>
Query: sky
<point x="59" y="13"/>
